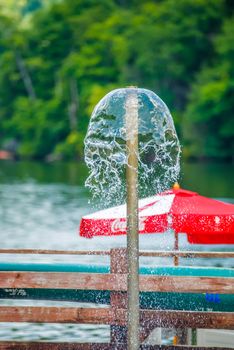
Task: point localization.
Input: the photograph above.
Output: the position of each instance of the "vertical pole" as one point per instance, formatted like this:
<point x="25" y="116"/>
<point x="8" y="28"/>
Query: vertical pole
<point x="181" y="336"/>
<point x="176" y="248"/>
<point x="132" y="218"/>
<point x="118" y="265"/>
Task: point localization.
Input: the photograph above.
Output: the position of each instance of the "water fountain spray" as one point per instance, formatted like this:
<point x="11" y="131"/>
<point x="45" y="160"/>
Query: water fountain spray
<point x="131" y="147"/>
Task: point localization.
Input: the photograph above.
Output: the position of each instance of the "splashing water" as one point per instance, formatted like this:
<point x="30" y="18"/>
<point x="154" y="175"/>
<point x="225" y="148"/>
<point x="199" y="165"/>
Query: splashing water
<point x="105" y="146"/>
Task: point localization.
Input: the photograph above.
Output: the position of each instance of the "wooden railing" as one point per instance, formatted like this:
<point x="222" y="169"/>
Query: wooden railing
<point x="114" y="315"/>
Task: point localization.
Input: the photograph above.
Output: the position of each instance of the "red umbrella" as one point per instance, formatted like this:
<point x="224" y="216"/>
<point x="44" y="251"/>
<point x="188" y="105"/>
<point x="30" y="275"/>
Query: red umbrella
<point x="204" y="220"/>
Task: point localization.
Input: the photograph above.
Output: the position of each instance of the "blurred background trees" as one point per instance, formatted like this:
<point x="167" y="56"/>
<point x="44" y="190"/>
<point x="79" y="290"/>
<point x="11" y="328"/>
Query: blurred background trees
<point x="59" y="57"/>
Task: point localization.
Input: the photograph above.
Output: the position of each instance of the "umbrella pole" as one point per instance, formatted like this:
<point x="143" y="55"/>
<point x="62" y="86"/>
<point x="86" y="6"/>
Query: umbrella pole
<point x="182" y="334"/>
<point x="176" y="248"/>
<point x="132" y="220"/>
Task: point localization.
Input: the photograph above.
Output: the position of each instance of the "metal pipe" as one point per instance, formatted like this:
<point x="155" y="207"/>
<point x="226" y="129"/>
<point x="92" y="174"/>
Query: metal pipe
<point x="132" y="218"/>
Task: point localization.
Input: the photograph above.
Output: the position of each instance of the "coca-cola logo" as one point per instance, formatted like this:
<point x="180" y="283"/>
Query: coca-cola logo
<point x="121" y="225"/>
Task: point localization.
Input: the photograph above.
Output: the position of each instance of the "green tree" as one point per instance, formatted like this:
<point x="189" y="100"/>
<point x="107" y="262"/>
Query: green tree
<point x="209" y="122"/>
<point x="169" y="42"/>
<point x="59" y="57"/>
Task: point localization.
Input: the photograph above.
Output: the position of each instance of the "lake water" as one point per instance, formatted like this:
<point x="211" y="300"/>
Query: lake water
<point x="41" y="206"/>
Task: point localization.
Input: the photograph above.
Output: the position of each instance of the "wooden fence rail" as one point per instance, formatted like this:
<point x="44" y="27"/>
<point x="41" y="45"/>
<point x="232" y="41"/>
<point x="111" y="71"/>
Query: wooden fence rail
<point x="108" y="316"/>
<point x="155" y="253"/>
<point x="96" y="346"/>
<point x="114" y="282"/>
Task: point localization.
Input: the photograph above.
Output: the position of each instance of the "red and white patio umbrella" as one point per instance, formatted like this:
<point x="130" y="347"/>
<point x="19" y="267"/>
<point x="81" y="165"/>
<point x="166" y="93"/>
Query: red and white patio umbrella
<point x="204" y="220"/>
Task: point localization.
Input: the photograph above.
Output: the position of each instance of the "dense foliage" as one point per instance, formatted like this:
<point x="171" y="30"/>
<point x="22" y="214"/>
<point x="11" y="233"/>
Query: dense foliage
<point x="58" y="58"/>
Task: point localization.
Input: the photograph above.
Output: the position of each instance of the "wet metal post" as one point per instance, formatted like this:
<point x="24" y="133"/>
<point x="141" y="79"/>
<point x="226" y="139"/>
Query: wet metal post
<point x="132" y="218"/>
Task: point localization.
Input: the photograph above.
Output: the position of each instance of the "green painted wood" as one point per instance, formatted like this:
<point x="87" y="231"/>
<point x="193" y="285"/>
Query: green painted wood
<point x="73" y="295"/>
<point x="188" y="271"/>
<point x="53" y="267"/>
<point x="145" y="270"/>
<point x="148" y="300"/>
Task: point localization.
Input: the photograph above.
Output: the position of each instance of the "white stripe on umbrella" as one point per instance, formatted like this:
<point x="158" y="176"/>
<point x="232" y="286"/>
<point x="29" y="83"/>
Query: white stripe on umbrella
<point x="204" y="220"/>
<point x="155" y="205"/>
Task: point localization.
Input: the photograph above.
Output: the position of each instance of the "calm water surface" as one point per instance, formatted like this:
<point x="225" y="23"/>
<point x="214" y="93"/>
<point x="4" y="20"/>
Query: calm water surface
<point x="41" y="206"/>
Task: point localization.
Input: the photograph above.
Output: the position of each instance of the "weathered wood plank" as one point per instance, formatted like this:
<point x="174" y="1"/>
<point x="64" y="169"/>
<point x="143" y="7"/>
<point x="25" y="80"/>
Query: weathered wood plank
<point x="118" y="300"/>
<point x="47" y="314"/>
<point x="52" y="346"/>
<point x="57" y="280"/>
<point x="90" y="346"/>
<point x="54" y="251"/>
<point x="181" y="319"/>
<point x="182" y="254"/>
<point x="118" y="317"/>
<point x="187" y="254"/>
<point x="187" y="284"/>
<point x="115" y="282"/>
